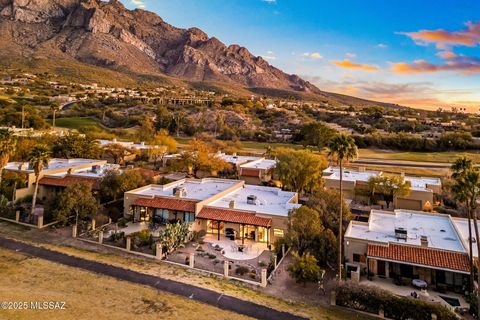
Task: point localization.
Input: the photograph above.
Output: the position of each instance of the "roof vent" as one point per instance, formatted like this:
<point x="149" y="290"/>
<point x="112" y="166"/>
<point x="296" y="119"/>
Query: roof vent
<point x="424" y="241"/>
<point x="231" y="204"/>
<point x="252" y="199"/>
<point x="401" y="234"/>
<point x="180" y="192"/>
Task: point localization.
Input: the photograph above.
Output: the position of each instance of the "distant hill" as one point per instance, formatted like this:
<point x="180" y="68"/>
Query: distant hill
<point x="72" y="37"/>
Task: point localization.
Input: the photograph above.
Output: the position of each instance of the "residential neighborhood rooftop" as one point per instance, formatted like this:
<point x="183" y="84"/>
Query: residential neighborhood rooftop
<point x="262" y="163"/>
<point x="383" y="225"/>
<point x="198" y="189"/>
<point x="236" y="159"/>
<point x="422" y="183"/>
<point x="349" y="175"/>
<point x="267" y="200"/>
<point x="53" y="164"/>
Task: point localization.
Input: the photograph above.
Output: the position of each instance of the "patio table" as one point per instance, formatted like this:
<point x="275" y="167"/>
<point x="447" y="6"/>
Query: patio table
<point x="419" y="283"/>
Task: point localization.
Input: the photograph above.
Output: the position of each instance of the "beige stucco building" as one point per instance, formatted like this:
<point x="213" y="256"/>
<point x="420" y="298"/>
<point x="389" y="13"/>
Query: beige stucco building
<point x="215" y="206"/>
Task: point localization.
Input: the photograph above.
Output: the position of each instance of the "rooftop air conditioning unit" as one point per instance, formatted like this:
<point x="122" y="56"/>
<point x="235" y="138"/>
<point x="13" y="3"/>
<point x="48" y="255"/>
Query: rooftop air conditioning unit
<point x="180" y="192"/>
<point x="96" y="169"/>
<point x="424" y="241"/>
<point x="252" y="199"/>
<point x="401" y="234"/>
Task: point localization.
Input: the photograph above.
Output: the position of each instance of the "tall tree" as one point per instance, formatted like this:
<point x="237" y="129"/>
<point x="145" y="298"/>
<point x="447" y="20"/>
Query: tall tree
<point x="316" y="134"/>
<point x="38" y="160"/>
<point x="459" y="169"/>
<point x="342" y="149"/>
<point x="388" y="187"/>
<point x="76" y="199"/>
<point x="299" y="170"/>
<point x="7" y="148"/>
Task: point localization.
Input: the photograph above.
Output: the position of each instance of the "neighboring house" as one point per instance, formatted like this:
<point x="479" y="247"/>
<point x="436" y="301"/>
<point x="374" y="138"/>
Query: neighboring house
<point x="235" y="159"/>
<point x="410" y="245"/>
<point x="422" y="194"/>
<point x="214" y="205"/>
<point x="59" y="174"/>
<point x="257" y="171"/>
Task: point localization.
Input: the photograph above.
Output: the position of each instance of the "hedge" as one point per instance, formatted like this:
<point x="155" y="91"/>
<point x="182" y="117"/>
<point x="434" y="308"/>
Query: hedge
<point x="372" y="300"/>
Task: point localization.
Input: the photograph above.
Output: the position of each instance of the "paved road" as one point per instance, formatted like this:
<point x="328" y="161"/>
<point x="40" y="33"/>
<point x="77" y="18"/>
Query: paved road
<point x="196" y="293"/>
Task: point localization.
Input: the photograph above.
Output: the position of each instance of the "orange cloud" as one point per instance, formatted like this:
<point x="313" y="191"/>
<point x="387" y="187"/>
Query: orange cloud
<point x="447" y="55"/>
<point x="347" y="64"/>
<point x="463" y="64"/>
<point x="443" y="38"/>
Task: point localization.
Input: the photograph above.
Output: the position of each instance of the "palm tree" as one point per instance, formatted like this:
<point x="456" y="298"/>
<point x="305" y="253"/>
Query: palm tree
<point x="459" y="169"/>
<point x="54" y="107"/>
<point x="38" y="159"/>
<point x="7" y="147"/>
<point x="342" y="149"/>
<point x="467" y="190"/>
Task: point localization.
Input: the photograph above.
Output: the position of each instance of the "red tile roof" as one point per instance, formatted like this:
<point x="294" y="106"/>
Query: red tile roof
<point x="166" y="203"/>
<point x="69" y="180"/>
<point x="424" y="256"/>
<point x="234" y="216"/>
<point x="250" y="172"/>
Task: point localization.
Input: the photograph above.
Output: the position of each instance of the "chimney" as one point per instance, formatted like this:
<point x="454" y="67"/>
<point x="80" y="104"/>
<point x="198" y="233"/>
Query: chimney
<point x="361" y="169"/>
<point x="402" y="174"/>
<point x="231" y="205"/>
<point x="424" y="241"/>
<point x="114" y="140"/>
<point x="142" y="143"/>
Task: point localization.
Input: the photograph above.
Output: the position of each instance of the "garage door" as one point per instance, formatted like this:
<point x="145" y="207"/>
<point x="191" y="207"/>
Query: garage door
<point x="409" y="204"/>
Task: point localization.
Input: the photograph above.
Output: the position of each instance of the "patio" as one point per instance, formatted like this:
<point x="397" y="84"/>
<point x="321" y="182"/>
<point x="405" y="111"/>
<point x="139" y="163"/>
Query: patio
<point x="405" y="291"/>
<point x="235" y="250"/>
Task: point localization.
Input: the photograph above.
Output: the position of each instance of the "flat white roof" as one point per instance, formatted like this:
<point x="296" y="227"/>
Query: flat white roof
<point x="235" y="159"/>
<point x="196" y="189"/>
<point x="91" y="172"/>
<point x="126" y="144"/>
<point x="349" y="175"/>
<point x="421" y="183"/>
<point x="260" y="164"/>
<point x="53" y="164"/>
<point x="270" y="200"/>
<point x="439" y="229"/>
<point x="462" y="227"/>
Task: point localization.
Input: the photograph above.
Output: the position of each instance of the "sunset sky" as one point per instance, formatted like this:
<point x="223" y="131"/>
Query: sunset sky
<point x="415" y="53"/>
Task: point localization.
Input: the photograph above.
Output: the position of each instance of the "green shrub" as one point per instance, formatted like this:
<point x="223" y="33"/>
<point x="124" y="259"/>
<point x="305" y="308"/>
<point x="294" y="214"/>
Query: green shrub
<point x="372" y="300"/>
<point x="211" y="256"/>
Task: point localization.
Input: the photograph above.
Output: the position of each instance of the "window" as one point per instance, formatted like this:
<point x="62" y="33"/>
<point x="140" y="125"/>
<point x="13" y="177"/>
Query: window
<point x="278" y="232"/>
<point x="189" y="216"/>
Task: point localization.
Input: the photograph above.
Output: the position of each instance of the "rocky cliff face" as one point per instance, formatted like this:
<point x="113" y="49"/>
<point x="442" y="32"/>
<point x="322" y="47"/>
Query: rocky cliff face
<point x="107" y="34"/>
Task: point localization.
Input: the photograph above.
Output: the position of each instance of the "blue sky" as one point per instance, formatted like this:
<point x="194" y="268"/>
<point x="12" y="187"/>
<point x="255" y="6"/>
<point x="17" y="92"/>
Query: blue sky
<point x="418" y="53"/>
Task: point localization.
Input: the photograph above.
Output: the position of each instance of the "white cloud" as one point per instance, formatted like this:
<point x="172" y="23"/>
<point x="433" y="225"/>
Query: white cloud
<point x="139" y="4"/>
<point x="316" y="55"/>
<point x="270" y="1"/>
<point x="350" y="55"/>
<point x="269" y="56"/>
<point x="382" y="46"/>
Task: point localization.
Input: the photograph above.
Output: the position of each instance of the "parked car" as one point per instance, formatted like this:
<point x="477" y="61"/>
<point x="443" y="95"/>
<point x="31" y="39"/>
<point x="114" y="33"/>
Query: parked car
<point x="230" y="233"/>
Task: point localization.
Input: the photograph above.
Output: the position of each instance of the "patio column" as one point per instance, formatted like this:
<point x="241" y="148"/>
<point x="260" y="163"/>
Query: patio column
<point x="94" y="224"/>
<point x="243" y="234"/>
<point x="225" y="268"/>
<point x="158" y="251"/>
<point x="100" y="237"/>
<point x="264" y="277"/>
<point x="74" y="231"/>
<point x="218" y="229"/>
<point x="191" y="261"/>
<point x="129" y="243"/>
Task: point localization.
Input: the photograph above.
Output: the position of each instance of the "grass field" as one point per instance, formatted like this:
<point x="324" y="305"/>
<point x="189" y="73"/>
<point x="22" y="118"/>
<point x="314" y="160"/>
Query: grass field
<point x="88" y="295"/>
<point x="417" y="156"/>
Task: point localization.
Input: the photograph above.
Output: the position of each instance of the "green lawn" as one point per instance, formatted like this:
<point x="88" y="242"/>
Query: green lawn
<point x="80" y="124"/>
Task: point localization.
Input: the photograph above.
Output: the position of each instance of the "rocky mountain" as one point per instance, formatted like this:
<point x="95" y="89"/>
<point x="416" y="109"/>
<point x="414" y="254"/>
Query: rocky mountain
<point x="105" y="33"/>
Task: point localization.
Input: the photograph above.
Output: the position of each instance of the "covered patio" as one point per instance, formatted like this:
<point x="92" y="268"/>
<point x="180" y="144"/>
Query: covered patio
<point x="237" y="224"/>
